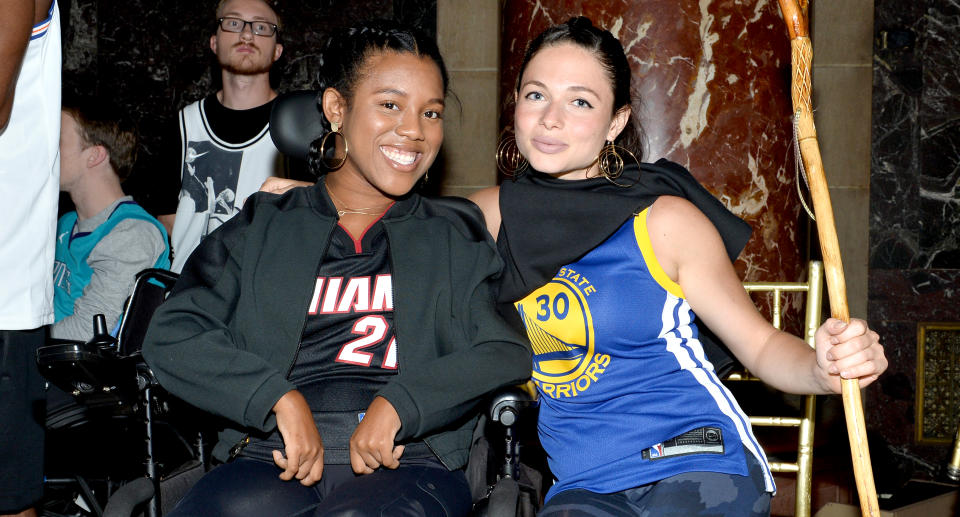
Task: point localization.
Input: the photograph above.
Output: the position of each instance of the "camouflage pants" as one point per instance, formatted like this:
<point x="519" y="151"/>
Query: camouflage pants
<point x="685" y="495"/>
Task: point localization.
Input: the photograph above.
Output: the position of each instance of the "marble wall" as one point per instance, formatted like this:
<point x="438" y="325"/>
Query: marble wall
<point x="914" y="202"/>
<point x="713" y="83"/>
<point x="152" y="58"/>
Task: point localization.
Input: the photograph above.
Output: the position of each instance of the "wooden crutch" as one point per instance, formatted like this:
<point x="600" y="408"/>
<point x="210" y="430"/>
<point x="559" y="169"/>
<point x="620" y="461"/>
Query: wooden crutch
<point x="794" y="14"/>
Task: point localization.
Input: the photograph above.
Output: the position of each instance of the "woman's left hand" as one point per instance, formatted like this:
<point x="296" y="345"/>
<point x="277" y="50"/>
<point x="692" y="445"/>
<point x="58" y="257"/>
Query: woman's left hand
<point x="848" y="351"/>
<point x="371" y="445"/>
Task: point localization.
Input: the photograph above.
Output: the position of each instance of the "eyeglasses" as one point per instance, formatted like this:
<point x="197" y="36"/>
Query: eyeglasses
<point x="257" y="27"/>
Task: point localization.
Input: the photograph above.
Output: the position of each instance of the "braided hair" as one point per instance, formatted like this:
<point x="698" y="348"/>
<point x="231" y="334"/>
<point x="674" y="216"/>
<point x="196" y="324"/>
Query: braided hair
<point x="344" y="58"/>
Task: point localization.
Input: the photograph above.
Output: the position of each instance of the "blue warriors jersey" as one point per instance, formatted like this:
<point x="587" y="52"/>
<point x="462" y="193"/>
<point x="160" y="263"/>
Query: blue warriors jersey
<point x="627" y="396"/>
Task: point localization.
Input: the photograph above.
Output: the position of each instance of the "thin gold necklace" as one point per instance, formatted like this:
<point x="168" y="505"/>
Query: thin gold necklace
<point x="373" y="210"/>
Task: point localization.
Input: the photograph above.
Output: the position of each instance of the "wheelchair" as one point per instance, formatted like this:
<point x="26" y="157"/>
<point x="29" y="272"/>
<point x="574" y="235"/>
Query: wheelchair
<point x="116" y="394"/>
<point x="114" y="434"/>
<point x="107" y="419"/>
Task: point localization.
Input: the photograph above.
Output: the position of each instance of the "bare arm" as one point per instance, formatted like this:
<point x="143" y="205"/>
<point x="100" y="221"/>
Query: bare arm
<point x="15" y="27"/>
<point x="488" y="200"/>
<point x="167" y="221"/>
<point x="691" y="253"/>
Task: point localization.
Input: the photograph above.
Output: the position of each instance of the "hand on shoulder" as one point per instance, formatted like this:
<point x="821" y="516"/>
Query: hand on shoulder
<point x="276" y="185"/>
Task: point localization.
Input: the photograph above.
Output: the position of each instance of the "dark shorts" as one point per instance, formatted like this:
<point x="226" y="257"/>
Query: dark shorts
<point x="691" y="494"/>
<point x="250" y="487"/>
<point x="22" y="414"/>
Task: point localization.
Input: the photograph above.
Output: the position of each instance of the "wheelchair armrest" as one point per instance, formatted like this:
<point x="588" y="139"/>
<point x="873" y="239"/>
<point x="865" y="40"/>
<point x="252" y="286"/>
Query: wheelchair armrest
<point x="92" y="371"/>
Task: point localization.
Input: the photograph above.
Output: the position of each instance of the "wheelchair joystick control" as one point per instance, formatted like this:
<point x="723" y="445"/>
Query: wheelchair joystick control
<point x="102" y="339"/>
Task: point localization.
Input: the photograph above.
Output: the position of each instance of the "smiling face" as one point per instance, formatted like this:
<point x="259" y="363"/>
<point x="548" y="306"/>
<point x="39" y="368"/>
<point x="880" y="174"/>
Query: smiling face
<point x="245" y="53"/>
<point x="392" y="122"/>
<point x="564" y="112"/>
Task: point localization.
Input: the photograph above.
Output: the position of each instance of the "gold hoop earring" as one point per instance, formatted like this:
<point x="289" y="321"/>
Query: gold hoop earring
<point x="509" y="159"/>
<point x="334" y="130"/>
<point x="611" y="164"/>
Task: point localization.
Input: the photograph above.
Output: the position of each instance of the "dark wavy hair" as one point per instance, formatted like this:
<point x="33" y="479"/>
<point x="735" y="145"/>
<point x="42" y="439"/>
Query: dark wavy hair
<point x="607" y="49"/>
<point x="344" y="59"/>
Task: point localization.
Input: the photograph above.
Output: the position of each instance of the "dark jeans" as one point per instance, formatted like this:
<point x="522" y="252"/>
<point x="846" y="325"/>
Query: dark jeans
<point x="249" y="487"/>
<point x="22" y="415"/>
<point x="693" y="494"/>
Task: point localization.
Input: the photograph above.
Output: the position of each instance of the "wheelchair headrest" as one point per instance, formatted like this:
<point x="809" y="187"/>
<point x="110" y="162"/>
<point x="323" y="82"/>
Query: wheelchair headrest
<point x="295" y="122"/>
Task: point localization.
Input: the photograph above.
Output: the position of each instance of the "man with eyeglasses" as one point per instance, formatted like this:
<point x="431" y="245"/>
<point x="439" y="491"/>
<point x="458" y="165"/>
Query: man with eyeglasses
<point x="226" y="152"/>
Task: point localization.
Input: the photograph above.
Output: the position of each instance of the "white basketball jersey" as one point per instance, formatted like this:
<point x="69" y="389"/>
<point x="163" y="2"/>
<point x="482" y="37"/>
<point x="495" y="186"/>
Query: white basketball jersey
<point x="216" y="178"/>
<point x="30" y="183"/>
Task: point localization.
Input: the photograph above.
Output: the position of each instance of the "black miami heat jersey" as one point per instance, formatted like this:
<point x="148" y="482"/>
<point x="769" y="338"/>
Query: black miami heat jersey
<point x="627" y="396"/>
<point x="347" y="349"/>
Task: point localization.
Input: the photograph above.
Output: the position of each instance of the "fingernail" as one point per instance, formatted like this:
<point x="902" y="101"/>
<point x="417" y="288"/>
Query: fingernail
<point x="833" y="369"/>
<point x="830" y="356"/>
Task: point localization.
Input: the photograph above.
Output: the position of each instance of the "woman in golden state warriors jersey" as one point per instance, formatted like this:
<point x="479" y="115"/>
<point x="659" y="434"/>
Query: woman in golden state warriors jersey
<point x="609" y="265"/>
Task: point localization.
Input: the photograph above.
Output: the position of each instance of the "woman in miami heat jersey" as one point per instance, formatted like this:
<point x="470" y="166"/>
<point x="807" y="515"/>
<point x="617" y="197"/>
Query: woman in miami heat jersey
<point x="346" y="330"/>
<point x="610" y="265"/>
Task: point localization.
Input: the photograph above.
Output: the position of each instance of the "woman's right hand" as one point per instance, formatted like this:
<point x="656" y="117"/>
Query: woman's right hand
<point x="276" y="185"/>
<point x="304" y="448"/>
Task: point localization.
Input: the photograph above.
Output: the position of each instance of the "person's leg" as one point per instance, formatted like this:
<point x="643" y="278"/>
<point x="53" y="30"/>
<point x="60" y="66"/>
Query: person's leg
<point x="22" y="415"/>
<point x="247" y="487"/>
<point x="705" y="494"/>
<point x="583" y="503"/>
<point x="414" y="491"/>
<point x="694" y="494"/>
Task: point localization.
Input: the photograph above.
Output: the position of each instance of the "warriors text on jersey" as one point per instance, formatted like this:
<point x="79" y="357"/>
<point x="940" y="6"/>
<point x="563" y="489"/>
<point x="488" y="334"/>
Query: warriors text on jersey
<point x="627" y="395"/>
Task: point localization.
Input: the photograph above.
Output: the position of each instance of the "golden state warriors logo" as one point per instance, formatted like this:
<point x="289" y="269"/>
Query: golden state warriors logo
<point x="560" y="327"/>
